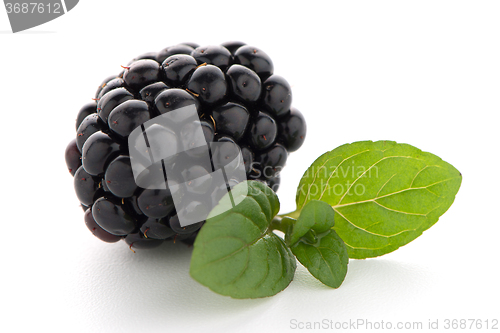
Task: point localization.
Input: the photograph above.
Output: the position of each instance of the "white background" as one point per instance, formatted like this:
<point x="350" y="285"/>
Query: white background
<point x="425" y="73"/>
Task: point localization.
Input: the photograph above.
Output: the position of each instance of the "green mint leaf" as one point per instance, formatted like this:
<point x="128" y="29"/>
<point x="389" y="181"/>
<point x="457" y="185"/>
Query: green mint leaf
<point x="326" y="259"/>
<point x="384" y="194"/>
<point x="316" y="215"/>
<point x="317" y="246"/>
<point x="235" y="253"/>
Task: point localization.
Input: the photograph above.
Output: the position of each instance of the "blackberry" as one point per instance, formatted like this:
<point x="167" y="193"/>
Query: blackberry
<point x="127" y="116"/>
<point x="208" y="83"/>
<point x="100" y="88"/>
<point x="255" y="59"/>
<point x="109" y="101"/>
<point x="271" y="161"/>
<point x="216" y="55"/>
<point x="262" y="132"/>
<point x="109" y="86"/>
<point x="86" y="110"/>
<point x="242" y="106"/>
<point x="277" y="96"/>
<point x="73" y="157"/>
<point x="139" y="241"/>
<point x="172" y="50"/>
<point x="232" y="46"/>
<point x="177" y="69"/>
<point x="245" y="84"/>
<point x="149" y="93"/>
<point x="141" y="72"/>
<point x="119" y="178"/>
<point x="97" y="230"/>
<point x="171" y="99"/>
<point x="147" y="55"/>
<point x="178" y="229"/>
<point x="91" y="124"/>
<point x="112" y="215"/>
<point x="292" y="130"/>
<point x="155" y="203"/>
<point x="231" y="119"/>
<point x="86" y="186"/>
<point x="157" y="228"/>
<point x="198" y="179"/>
<point x="97" y="152"/>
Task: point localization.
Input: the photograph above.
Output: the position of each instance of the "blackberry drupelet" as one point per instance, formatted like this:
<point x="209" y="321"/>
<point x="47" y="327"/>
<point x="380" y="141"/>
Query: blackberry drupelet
<point x="241" y="103"/>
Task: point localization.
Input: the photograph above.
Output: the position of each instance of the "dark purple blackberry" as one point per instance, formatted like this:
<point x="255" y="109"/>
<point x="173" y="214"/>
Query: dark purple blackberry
<point x="225" y="152"/>
<point x="139" y="241"/>
<point x="242" y="107"/>
<point x="127" y="116"/>
<point x="149" y="92"/>
<point x="119" y="177"/>
<point x="189" y="136"/>
<point x="97" y="230"/>
<point x="255" y="59"/>
<point x="155" y="203"/>
<point x="262" y="132"/>
<point x="193" y="45"/>
<point x="111" y="214"/>
<point x="111" y="100"/>
<point x="292" y="130"/>
<point x="157" y="228"/>
<point x="73" y="157"/>
<point x="107" y="87"/>
<point x="233" y="46"/>
<point x="276" y="96"/>
<point x="97" y="152"/>
<point x="103" y="84"/>
<point x="172" y="99"/>
<point x="216" y="55"/>
<point x="187" y="230"/>
<point x="140" y="73"/>
<point x="271" y="161"/>
<point x="244" y="83"/>
<point x="147" y="55"/>
<point x="91" y="124"/>
<point x="231" y="119"/>
<point x="172" y="50"/>
<point x="197" y="179"/>
<point x="177" y="69"/>
<point x="248" y="157"/>
<point x="208" y="84"/>
<point x="86" y="186"/>
<point x="86" y="110"/>
<point x="274" y="182"/>
<point x="208" y="130"/>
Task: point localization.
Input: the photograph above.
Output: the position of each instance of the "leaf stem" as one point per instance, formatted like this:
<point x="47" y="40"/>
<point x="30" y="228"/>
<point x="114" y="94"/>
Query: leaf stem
<point x="282" y="224"/>
<point x="294" y="215"/>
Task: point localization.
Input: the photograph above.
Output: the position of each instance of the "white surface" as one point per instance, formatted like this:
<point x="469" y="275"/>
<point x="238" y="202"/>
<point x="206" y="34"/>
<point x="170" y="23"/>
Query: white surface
<point x="425" y="73"/>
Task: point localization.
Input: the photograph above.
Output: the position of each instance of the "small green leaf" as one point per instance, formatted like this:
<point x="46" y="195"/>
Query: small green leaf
<point x="235" y="253"/>
<point x="384" y="194"/>
<point x="326" y="259"/>
<point x="317" y="246"/>
<point x="316" y="215"/>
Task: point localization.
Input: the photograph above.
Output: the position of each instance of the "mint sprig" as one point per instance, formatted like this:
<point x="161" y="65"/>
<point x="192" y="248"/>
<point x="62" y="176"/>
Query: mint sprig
<point x="357" y="201"/>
